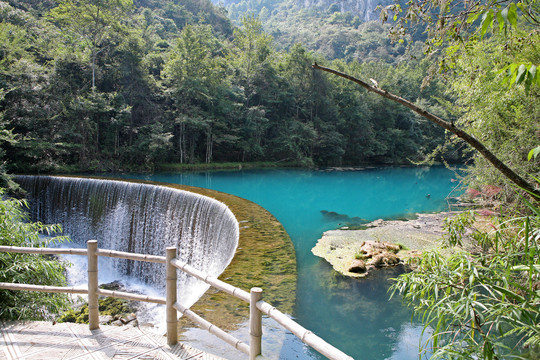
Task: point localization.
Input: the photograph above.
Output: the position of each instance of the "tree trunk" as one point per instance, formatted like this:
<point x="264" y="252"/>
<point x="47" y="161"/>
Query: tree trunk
<point x="181" y="137"/>
<point x="486" y="153"/>
<point x="94" y="54"/>
<point x="209" y="145"/>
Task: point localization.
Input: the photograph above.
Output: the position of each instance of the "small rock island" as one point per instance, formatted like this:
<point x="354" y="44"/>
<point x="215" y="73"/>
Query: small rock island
<point x="382" y="243"/>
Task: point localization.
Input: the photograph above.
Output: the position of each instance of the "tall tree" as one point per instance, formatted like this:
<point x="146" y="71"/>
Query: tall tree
<point x="251" y="58"/>
<point x="91" y="24"/>
<point x="197" y="75"/>
<point x="253" y="48"/>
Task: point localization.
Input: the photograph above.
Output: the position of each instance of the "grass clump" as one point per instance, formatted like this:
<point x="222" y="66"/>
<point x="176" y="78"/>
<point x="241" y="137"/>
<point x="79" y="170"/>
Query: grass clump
<point x="359" y="255"/>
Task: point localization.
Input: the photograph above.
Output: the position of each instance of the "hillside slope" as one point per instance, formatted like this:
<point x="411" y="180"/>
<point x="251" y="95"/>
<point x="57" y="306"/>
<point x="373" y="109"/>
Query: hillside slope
<point x="337" y="29"/>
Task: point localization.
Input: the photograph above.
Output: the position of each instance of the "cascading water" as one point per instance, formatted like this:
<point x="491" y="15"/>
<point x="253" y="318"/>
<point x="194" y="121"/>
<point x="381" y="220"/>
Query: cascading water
<point x="139" y="218"/>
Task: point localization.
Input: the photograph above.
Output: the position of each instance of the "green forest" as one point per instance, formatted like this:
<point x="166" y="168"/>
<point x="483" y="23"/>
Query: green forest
<point x="349" y="32"/>
<point x="121" y="86"/>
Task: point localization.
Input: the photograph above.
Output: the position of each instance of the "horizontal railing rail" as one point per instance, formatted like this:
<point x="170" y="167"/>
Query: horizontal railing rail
<point x="131" y="256"/>
<point x="43" y="251"/>
<point x="43" y="288"/>
<point x="254" y="298"/>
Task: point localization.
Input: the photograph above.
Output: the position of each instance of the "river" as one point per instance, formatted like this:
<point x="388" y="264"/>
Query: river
<point x="354" y="315"/>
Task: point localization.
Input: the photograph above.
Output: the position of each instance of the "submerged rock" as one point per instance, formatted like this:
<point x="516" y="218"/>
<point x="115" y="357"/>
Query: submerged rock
<point x="334" y="216"/>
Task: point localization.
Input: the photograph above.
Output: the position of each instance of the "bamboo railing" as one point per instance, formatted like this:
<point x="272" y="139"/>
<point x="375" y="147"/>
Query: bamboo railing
<point x="254" y="298"/>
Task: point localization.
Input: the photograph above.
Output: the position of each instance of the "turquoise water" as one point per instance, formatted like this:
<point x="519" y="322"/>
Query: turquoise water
<point x="353" y="315"/>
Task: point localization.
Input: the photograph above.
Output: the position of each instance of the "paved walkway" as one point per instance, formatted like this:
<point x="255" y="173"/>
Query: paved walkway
<point x="43" y="340"/>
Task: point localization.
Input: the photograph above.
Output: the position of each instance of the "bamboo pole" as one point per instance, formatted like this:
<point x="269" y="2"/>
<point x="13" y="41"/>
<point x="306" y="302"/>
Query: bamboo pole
<point x="213" y="281"/>
<point x="93" y="305"/>
<point x="42" y="251"/>
<point x="43" y="288"/>
<point x="255" y="324"/>
<point x="131" y="256"/>
<point x="213" y="329"/>
<point x="130" y="296"/>
<point x="172" y="315"/>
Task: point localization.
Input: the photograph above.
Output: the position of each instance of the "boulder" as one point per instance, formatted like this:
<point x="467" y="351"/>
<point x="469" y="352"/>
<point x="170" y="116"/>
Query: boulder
<point x="378" y="260"/>
<point x="357" y="266"/>
<point x="105" y="319"/>
<point x="385" y="259"/>
<point x="116" y="285"/>
<point x="391" y="259"/>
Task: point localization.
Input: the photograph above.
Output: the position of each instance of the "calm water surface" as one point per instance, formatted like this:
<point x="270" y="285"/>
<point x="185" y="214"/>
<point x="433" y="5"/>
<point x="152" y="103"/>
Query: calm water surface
<point x="353" y="315"/>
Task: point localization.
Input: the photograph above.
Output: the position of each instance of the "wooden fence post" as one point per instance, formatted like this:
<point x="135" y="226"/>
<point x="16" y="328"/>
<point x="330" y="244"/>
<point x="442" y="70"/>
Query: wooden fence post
<point x="172" y="315"/>
<point x="93" y="305"/>
<point x="255" y="324"/>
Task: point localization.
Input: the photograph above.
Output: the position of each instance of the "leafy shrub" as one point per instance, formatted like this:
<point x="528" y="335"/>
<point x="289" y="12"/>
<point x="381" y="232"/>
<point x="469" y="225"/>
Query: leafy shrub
<point x="483" y="305"/>
<point x="16" y="230"/>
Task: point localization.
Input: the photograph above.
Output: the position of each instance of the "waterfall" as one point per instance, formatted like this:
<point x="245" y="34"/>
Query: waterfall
<point x="139" y="218"/>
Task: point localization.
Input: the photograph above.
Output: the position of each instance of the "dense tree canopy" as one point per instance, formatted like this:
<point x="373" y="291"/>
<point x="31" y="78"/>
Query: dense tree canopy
<point x="119" y="85"/>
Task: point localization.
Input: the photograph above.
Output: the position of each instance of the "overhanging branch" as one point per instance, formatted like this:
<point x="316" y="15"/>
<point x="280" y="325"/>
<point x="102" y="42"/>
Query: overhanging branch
<point x="469" y="139"/>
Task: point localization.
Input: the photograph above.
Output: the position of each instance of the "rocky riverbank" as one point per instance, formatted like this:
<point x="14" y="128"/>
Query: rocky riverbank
<point x="383" y="243"/>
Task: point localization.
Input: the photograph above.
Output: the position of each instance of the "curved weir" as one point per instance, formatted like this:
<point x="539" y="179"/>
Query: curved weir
<point x="139" y="218"/>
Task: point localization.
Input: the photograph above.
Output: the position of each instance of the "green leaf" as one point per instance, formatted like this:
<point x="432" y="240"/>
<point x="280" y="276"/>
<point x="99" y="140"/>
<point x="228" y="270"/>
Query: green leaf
<point x="525" y="267"/>
<point x="472" y="17"/>
<point x="512" y="14"/>
<point x="521" y="74"/>
<point x="533" y="153"/>
<point x="500" y="20"/>
<point x="509" y="293"/>
<point x="533" y="73"/>
<point x="513" y="73"/>
<point x="504" y="15"/>
<point x="487" y="22"/>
